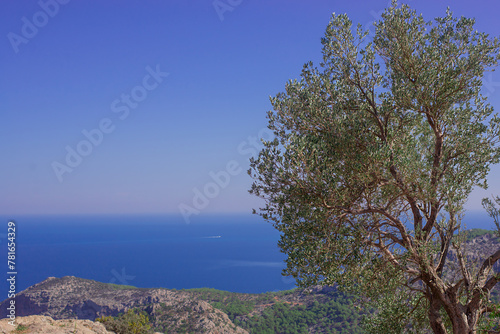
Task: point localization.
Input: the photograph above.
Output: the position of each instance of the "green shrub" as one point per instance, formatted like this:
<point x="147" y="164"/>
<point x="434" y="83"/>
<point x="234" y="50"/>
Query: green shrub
<point x="132" y="322"/>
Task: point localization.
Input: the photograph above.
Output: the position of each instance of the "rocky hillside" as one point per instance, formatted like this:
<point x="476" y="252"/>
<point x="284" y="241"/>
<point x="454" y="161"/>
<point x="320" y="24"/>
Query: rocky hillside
<point x="483" y="244"/>
<point x="76" y="298"/>
<point x="317" y="310"/>
<point x="479" y="245"/>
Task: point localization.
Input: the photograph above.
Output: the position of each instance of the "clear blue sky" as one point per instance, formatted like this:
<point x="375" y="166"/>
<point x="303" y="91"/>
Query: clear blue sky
<point x="103" y="65"/>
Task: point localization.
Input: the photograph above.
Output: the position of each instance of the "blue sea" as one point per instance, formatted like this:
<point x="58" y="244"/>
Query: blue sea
<point x="236" y="253"/>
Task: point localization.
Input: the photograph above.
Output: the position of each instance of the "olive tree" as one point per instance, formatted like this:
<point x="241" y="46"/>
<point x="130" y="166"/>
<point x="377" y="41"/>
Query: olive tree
<point x="374" y="156"/>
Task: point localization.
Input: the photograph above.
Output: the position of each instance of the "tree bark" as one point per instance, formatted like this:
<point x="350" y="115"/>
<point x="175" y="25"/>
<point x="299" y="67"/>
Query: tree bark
<point x="463" y="319"/>
<point x="460" y="321"/>
<point x="436" y="321"/>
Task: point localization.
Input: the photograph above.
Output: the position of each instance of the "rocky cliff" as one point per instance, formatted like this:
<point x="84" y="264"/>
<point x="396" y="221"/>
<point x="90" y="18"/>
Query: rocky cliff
<point x="77" y="298"/>
<point x="475" y="251"/>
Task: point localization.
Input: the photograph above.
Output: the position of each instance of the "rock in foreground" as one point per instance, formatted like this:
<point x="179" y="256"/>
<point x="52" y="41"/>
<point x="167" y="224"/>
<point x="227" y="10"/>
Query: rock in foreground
<point x="40" y="324"/>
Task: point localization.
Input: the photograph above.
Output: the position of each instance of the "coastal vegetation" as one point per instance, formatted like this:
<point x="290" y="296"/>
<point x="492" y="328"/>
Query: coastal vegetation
<point x="288" y="312"/>
<point x="292" y="311"/>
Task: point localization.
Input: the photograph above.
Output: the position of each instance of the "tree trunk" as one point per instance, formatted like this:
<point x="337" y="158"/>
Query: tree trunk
<point x="463" y="320"/>
<point x="436" y="321"/>
<point x="460" y="324"/>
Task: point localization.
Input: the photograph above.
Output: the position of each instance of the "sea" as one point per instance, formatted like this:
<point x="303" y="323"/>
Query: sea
<point x="237" y="253"/>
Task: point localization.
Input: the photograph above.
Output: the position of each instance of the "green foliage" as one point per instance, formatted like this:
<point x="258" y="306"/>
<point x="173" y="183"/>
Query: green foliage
<point x="21" y="328"/>
<point x="375" y="154"/>
<point x="271" y="312"/>
<point x="491" y="323"/>
<point x="477" y="232"/>
<point x="132" y="322"/>
<point x="392" y="309"/>
<point x="493" y="211"/>
<point x="330" y="317"/>
<point x="398" y="313"/>
<point x="227" y="302"/>
<point x="121" y="287"/>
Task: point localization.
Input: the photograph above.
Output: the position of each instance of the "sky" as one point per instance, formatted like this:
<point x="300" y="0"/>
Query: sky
<point x="156" y="106"/>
